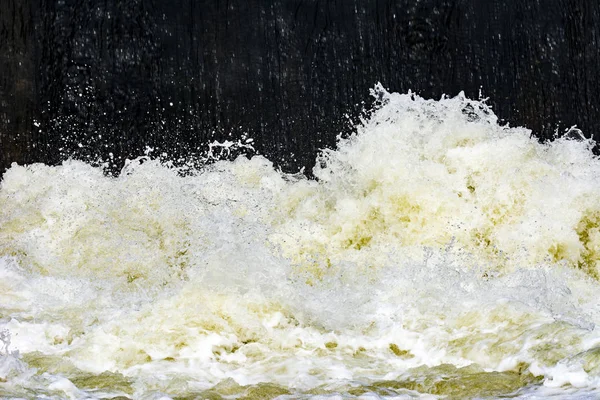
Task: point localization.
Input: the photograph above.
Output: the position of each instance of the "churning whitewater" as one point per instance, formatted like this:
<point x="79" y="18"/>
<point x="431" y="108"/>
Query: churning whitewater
<point x="437" y="254"/>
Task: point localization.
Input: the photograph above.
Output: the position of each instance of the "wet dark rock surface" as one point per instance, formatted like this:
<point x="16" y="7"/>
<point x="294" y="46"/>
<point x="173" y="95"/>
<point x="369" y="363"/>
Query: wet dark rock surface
<point x="94" y="78"/>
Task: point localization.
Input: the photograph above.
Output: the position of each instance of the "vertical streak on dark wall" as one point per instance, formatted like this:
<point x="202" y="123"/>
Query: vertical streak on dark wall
<point x="17" y="82"/>
<point x="581" y="21"/>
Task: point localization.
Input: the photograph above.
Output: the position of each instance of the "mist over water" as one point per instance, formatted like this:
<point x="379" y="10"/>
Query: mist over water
<point x="437" y="254"/>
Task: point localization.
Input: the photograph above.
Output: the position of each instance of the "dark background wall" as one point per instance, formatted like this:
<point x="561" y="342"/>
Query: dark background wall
<point x="89" y="78"/>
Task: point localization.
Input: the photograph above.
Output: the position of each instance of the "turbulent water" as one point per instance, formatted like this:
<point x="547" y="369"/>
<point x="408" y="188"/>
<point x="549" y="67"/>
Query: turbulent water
<point x="437" y="254"/>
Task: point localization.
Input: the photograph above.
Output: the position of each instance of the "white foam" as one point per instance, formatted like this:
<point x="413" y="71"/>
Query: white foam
<point x="433" y="236"/>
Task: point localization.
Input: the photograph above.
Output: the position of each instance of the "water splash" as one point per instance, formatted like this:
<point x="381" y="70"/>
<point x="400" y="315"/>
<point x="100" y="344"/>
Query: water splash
<point x="437" y="253"/>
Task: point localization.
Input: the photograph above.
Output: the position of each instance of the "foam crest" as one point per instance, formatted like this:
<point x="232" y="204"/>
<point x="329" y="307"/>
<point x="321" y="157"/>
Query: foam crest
<point x="423" y="172"/>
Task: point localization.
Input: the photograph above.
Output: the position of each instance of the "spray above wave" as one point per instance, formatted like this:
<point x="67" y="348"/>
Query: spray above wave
<point x="436" y="252"/>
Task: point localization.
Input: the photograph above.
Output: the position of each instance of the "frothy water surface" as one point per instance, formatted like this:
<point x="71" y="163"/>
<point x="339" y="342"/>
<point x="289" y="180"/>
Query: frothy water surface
<point x="438" y="254"/>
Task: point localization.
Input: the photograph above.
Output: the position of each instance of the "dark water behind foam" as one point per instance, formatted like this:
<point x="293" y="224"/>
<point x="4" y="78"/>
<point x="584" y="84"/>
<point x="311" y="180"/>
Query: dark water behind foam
<point x="94" y="78"/>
